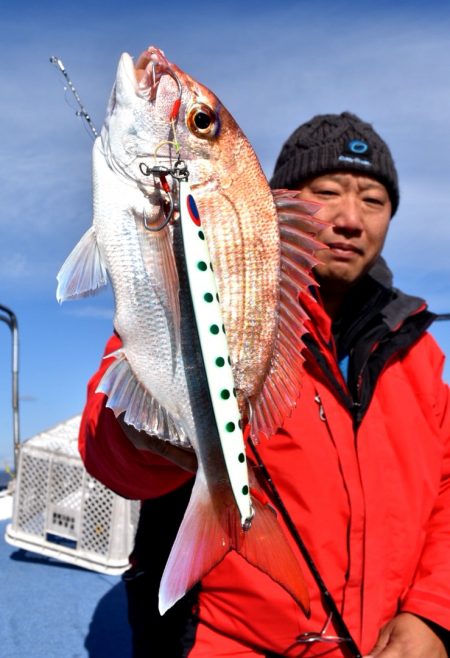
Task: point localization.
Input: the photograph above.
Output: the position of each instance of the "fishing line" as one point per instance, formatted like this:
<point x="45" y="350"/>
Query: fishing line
<point x="345" y="635"/>
<point x="179" y="171"/>
<point x="172" y="119"/>
<point x="169" y="142"/>
<point x="82" y="111"/>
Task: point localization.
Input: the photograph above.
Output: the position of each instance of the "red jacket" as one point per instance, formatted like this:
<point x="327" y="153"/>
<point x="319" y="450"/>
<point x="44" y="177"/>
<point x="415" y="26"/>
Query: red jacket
<point x="369" y="493"/>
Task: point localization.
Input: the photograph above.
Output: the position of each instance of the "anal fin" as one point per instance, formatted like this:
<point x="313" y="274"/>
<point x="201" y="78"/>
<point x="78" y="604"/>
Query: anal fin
<point x="142" y="410"/>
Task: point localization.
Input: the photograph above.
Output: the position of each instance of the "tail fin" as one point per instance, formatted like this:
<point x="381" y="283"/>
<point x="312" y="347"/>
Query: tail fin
<point x="266" y="548"/>
<point x="210" y="529"/>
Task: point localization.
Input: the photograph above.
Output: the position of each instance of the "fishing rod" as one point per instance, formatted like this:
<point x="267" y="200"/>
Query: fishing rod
<point x="82" y="111"/>
<point x="344" y="633"/>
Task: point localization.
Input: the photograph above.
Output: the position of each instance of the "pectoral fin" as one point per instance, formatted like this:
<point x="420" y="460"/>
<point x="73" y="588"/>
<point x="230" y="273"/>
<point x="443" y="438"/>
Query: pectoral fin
<point x="83" y="272"/>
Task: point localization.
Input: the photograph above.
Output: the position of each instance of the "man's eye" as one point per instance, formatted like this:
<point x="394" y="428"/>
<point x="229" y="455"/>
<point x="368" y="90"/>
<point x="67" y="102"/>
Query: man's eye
<point x="373" y="201"/>
<point x="326" y="192"/>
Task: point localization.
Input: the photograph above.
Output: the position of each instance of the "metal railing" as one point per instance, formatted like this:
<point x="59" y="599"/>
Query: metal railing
<point x="7" y="316"/>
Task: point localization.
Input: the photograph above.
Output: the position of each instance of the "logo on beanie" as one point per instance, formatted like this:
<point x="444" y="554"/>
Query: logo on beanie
<point x="353" y="151"/>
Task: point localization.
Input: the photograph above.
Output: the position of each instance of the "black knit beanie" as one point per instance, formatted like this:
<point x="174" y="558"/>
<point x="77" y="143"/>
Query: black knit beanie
<point x="335" y="142"/>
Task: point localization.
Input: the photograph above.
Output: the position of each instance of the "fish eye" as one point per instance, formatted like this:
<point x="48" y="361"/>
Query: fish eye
<point x="202" y="121"/>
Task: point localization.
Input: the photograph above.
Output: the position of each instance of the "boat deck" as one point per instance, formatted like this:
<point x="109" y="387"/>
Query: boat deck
<point x="53" y="609"/>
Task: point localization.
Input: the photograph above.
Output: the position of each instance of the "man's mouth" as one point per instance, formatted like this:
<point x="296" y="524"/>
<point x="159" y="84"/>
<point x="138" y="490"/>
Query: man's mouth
<point x="344" y="249"/>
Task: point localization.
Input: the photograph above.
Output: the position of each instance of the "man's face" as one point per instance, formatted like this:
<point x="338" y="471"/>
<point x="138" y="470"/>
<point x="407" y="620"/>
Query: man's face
<point x="357" y="210"/>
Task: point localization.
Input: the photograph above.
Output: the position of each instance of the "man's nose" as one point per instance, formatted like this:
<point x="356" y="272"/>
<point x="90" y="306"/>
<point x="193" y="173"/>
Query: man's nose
<point x="348" y="217"/>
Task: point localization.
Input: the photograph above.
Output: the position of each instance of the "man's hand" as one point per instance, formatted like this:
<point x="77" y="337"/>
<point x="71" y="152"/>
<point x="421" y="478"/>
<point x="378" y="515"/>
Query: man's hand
<point x="407" y="636"/>
<point x="183" y="457"/>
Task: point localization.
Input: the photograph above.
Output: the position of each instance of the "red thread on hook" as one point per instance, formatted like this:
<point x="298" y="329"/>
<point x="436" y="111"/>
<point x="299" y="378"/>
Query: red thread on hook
<point x="175" y="109"/>
<point x="164" y="184"/>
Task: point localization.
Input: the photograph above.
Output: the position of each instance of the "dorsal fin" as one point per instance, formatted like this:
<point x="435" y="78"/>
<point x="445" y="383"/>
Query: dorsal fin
<point x="281" y="388"/>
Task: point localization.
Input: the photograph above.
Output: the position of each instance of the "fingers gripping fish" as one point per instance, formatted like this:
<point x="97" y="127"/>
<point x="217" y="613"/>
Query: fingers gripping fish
<point x="206" y="303"/>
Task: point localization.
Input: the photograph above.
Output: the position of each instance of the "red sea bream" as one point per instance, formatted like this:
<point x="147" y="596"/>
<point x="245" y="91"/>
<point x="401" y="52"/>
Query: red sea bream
<point x="171" y="378"/>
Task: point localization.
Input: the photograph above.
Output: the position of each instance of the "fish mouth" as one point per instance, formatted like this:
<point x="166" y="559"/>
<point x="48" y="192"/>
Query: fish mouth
<point x="150" y="67"/>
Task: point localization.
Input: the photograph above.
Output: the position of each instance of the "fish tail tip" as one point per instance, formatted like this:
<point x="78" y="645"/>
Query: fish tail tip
<point x="163" y="606"/>
<point x="199" y="546"/>
<point x="266" y="547"/>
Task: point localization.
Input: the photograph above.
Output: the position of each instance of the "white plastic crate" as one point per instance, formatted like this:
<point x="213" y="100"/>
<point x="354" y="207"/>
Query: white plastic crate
<point x="60" y="511"/>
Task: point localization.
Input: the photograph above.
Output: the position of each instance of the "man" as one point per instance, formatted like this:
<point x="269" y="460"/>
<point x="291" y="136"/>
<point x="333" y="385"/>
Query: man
<point x="362" y="465"/>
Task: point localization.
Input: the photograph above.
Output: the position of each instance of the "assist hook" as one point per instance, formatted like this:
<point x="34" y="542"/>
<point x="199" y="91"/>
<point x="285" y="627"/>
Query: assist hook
<point x="179" y="172"/>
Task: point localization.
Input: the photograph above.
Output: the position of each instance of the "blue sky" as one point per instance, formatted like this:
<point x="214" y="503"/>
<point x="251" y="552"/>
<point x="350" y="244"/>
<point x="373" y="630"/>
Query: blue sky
<point x="273" y="67"/>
